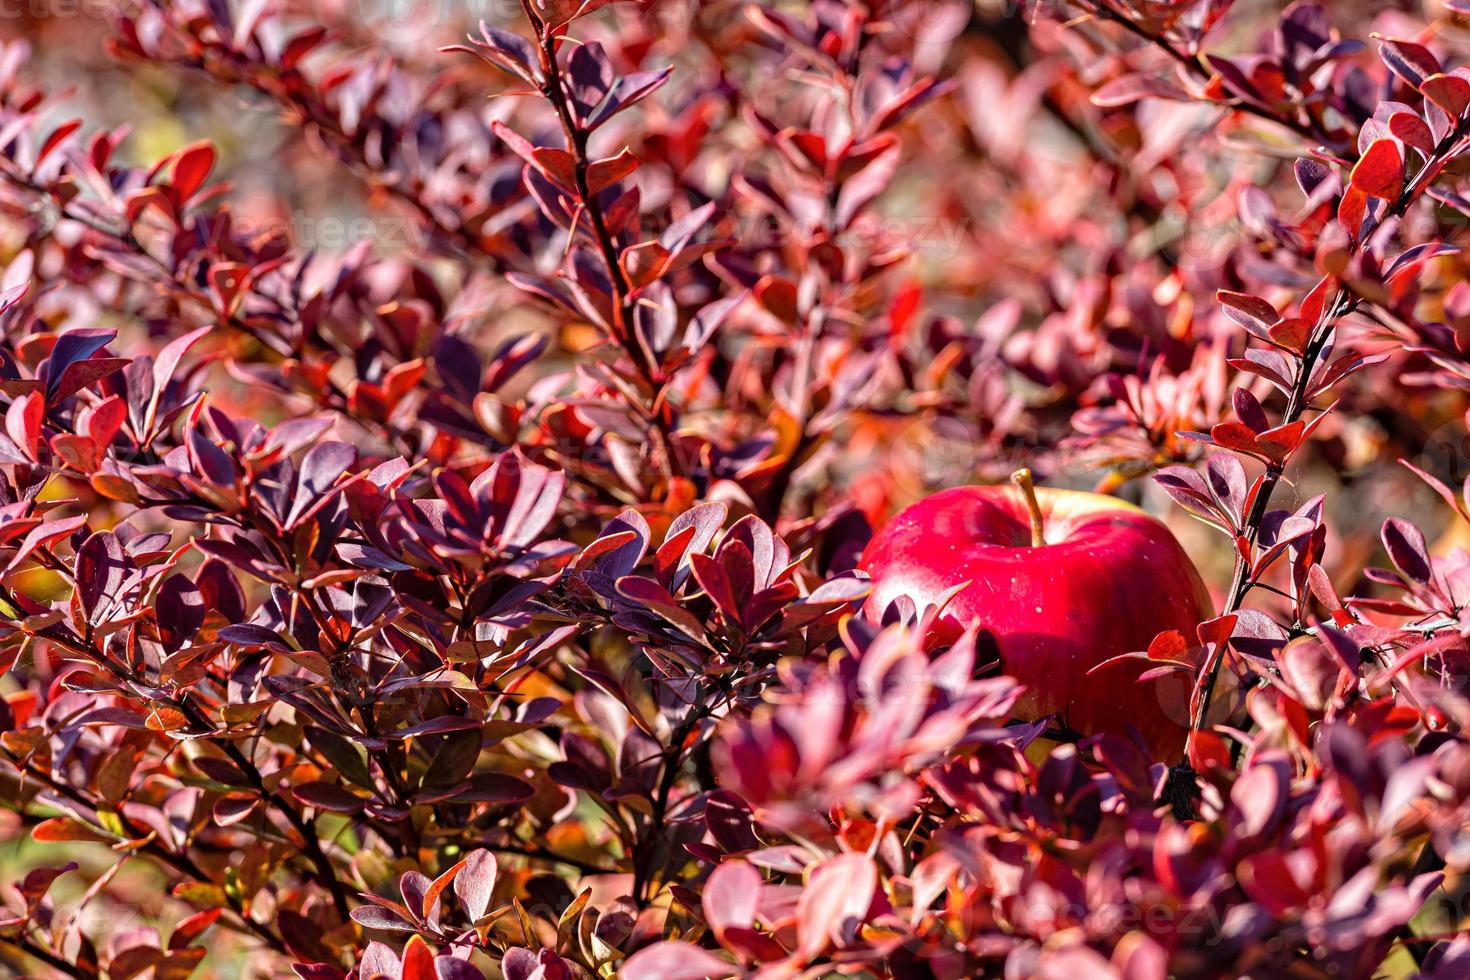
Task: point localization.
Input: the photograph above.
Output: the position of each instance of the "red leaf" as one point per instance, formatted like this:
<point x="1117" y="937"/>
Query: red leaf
<point x="1279" y="443"/>
<point x="57" y="137"/>
<point x="230" y="810"/>
<point x="228" y="281"/>
<point x="1412" y="130"/>
<point x="1315" y="302"/>
<point x="1351" y="210"/>
<point x="166" y="364"/>
<point x="301" y="45"/>
<point x="84" y="374"/>
<point x="1411" y="62"/>
<point x="23" y="421"/>
<point x="78" y="452"/>
<point x="811" y="148"/>
<point x="418" y="961"/>
<point x="34" y="886"/>
<point x="432" y="893"/>
<point x="1267" y="877"/>
<point x="45" y="534"/>
<point x="1234" y="435"/>
<point x="1217" y="630"/>
<point x="1380" y="172"/>
<point x="140" y="200"/>
<point x="1207" y="750"/>
<point x="11" y="296"/>
<point x="778" y="295"/>
<point x="56" y="830"/>
<point x="102" y="422"/>
<point x="1292" y="333"/>
<point x="1407" y="548"/>
<point x="711" y="577"/>
<point x="518" y="144"/>
<point x="557" y="165"/>
<point x="191" y="167"/>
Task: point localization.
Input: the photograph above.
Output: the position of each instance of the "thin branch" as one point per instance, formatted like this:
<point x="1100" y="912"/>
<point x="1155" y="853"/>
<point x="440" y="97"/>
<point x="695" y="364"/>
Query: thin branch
<point x="24" y="945"/>
<point x="1196" y="65"/>
<point x="625" y="327"/>
<point x="1343" y="304"/>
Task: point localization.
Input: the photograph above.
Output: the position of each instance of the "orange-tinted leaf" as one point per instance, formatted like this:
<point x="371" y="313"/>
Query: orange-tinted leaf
<point x="557" y="165"/>
<point x="1450" y="92"/>
<point x="192" y="928"/>
<point x="604" y="173"/>
<point x="62" y="829"/>
<point x="1351" y="210"/>
<point x="1292" y="333"/>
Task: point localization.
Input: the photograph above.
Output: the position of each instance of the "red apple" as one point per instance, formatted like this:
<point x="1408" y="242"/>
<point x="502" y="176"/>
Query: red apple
<point x="1063" y="580"/>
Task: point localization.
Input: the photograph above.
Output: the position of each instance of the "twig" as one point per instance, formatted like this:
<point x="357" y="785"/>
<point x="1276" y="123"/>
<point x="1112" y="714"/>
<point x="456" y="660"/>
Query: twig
<point x="326" y="874"/>
<point x="26" y="947"/>
<point x="625" y="329"/>
<point x="1196" y="65"/>
<point x="1343" y="304"/>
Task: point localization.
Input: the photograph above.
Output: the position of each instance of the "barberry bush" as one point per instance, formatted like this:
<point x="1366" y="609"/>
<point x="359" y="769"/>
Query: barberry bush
<point x="437" y="451"/>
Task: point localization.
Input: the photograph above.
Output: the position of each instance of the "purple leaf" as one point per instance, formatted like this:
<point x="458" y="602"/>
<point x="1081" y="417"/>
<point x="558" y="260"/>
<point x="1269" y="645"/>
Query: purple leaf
<point x="475" y="884"/>
<point x="102" y="567"/>
<point x="329" y="797"/>
<point x="323" y="464"/>
<point x="71" y="347"/>
<point x="377" y="917"/>
<point x="674" y="960"/>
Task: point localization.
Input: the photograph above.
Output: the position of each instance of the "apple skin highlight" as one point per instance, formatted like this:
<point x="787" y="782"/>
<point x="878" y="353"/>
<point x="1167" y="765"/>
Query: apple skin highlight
<point x="1107" y="579"/>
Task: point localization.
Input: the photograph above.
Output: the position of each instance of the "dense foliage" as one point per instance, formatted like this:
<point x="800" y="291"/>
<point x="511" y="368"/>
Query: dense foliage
<point x="429" y="517"/>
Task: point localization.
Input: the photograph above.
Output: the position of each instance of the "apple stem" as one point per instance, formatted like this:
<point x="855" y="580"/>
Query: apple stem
<point x="1022" y="478"/>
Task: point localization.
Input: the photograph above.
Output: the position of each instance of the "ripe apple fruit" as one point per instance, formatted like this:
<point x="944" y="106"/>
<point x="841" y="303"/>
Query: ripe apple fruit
<point x="1063" y="580"/>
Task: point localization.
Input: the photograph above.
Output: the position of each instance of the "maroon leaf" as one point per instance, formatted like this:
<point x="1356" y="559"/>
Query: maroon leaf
<point x="1411" y="62"/>
<point x="1251" y="312"/>
<point x="1407" y="549"/>
<point x="181" y="612"/>
<point x="102" y="566"/>
<point x="328" y="796"/>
